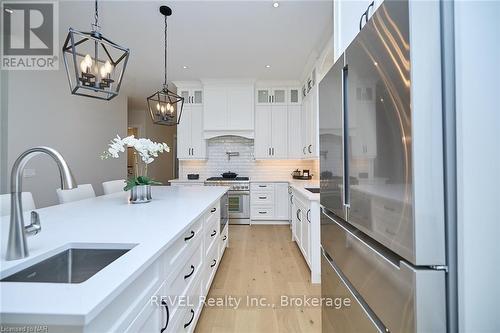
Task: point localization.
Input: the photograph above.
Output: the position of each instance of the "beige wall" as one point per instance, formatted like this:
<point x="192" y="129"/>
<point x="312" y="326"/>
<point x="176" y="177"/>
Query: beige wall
<point x="41" y="111"/>
<point x="162" y="169"/>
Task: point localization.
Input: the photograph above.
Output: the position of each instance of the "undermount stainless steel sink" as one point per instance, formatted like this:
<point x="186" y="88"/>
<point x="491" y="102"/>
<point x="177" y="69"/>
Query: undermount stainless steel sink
<point x="74" y="265"/>
<point x="312" y="189"/>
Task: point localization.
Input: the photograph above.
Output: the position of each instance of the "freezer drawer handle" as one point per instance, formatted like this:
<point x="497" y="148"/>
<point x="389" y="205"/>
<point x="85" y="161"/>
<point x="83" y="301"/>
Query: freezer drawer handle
<point x="189" y="275"/>
<point x="165" y="305"/>
<point x="191" y="320"/>
<point x="189" y="237"/>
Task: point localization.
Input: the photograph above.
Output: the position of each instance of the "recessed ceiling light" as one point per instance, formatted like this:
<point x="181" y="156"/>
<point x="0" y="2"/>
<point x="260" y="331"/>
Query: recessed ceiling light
<point x="268" y="66"/>
<point x="185" y="67"/>
<point x="276" y="4"/>
<point x="8" y="10"/>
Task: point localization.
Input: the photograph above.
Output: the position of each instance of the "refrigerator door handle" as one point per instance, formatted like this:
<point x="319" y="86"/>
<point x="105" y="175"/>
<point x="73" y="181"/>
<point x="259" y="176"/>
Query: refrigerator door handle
<point x="345" y="139"/>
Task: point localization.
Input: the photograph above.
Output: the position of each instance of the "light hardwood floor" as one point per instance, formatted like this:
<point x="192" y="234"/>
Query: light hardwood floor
<point x="261" y="261"/>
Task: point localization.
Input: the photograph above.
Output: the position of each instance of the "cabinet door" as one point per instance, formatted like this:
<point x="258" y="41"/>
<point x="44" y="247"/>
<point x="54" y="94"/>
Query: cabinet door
<point x="185" y="94"/>
<point x="263" y="96"/>
<point x="294" y="96"/>
<point x="313" y="146"/>
<point x="184" y="134"/>
<point x="305" y="234"/>
<point x="263" y="124"/>
<point x="198" y="143"/>
<point x="215" y="108"/>
<point x="295" y="132"/>
<point x="279" y="96"/>
<point x="306" y="125"/>
<point x="240" y="108"/>
<point x="279" y="132"/>
<point x="197" y="96"/>
<point x="281" y="203"/>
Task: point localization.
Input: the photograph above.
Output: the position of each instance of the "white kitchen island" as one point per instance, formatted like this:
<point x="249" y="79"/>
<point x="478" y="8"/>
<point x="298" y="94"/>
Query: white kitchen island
<point x="176" y="235"/>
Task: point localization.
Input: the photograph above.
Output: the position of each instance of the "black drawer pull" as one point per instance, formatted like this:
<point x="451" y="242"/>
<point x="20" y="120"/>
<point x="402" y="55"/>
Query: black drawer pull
<point x="189" y="237"/>
<point x="213" y="210"/>
<point x="192" y="271"/>
<point x="163" y="303"/>
<point x="298" y="212"/>
<point x="214" y="263"/>
<point x="262" y="185"/>
<point x="225" y="237"/>
<point x="191" y="320"/>
<point x="262" y="212"/>
<point x="262" y="198"/>
<point x="213" y="234"/>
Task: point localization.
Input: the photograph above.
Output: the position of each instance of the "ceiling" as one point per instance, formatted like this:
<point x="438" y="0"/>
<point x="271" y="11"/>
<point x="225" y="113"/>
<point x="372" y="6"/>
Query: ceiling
<point x="215" y="39"/>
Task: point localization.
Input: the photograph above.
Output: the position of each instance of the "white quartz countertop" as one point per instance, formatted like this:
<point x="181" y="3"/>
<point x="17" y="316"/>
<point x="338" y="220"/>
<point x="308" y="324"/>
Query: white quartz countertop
<point x="109" y="221"/>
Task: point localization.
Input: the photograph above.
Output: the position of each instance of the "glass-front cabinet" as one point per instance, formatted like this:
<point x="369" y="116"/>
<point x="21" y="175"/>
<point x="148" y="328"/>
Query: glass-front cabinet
<point x="192" y="96"/>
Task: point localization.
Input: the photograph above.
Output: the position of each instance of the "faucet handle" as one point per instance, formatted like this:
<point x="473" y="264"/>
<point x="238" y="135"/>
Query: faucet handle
<point x="35" y="227"/>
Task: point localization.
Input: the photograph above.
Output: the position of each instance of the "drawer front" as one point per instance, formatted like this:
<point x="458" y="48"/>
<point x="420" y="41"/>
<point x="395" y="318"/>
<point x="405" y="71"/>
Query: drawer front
<point x="388" y="285"/>
<point x="212" y="234"/>
<point x="224" y="241"/>
<point x="262" y="187"/>
<point x="187" y="315"/>
<point x="183" y="245"/>
<point x="261" y="213"/>
<point x="259" y="198"/>
<point x="189" y="272"/>
<point x="211" y="264"/>
<point x="213" y="213"/>
<point x="343" y="318"/>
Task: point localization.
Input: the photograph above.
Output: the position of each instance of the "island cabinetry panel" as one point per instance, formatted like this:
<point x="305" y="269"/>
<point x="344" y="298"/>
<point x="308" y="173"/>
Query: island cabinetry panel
<point x="166" y="296"/>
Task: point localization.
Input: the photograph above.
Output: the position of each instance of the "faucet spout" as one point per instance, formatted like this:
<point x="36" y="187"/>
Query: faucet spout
<point x="17" y="246"/>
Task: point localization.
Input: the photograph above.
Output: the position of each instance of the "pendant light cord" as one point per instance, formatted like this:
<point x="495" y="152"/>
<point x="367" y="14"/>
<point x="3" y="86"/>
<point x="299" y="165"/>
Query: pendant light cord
<point x="165" y="86"/>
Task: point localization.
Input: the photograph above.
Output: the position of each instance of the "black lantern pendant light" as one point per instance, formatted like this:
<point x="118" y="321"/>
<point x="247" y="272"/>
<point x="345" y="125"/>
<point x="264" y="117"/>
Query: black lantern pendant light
<point x="165" y="106"/>
<point x="94" y="64"/>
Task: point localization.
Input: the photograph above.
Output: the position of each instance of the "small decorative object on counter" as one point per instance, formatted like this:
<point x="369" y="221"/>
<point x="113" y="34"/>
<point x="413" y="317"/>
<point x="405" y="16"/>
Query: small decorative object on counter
<point x="305" y="173"/>
<point x="140" y="184"/>
<point x="193" y="176"/>
<point x="296" y="173"/>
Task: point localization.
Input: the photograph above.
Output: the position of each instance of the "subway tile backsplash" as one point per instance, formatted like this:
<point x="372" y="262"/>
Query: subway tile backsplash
<point x="244" y="164"/>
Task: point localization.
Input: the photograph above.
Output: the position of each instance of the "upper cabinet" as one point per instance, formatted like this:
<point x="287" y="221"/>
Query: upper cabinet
<point x="190" y="142"/>
<point x="228" y="108"/>
<point x="277" y="96"/>
<point x="349" y="17"/>
<point x="192" y="96"/>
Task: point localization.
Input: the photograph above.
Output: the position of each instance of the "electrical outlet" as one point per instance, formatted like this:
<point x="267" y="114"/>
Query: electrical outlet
<point x="28" y="173"/>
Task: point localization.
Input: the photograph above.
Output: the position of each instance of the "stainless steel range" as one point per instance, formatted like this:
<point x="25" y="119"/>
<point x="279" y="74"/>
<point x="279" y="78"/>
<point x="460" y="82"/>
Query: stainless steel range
<point x="238" y="197"/>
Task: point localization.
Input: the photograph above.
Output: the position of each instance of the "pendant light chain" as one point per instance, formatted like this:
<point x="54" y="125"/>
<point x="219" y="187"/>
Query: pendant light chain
<point x="165" y="55"/>
<point x="95" y="26"/>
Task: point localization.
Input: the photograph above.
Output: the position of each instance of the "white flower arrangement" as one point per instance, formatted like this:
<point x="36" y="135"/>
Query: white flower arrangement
<point x="145" y="148"/>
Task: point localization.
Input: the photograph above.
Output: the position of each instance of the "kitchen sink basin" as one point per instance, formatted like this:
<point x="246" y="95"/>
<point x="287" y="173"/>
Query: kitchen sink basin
<point x="74" y="265"/>
<point x="312" y="189"/>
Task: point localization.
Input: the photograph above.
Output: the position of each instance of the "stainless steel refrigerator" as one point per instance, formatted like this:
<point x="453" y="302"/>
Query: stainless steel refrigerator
<point x="381" y="162"/>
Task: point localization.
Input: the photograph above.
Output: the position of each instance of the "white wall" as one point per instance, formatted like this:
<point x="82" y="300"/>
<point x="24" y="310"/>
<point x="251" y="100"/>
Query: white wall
<point x="41" y="111"/>
<point x="245" y="164"/>
<point x="477" y="73"/>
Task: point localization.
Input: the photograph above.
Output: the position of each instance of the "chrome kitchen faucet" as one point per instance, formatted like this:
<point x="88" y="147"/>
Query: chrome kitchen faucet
<point x="17" y="246"/>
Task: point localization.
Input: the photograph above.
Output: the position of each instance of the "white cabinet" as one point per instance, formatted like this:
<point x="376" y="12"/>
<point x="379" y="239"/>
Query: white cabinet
<point x="228" y="108"/>
<point x="310" y="134"/>
<point x="295" y="126"/>
<point x="347" y="19"/>
<point x="269" y="202"/>
<point x="192" y="96"/>
<point x="271" y="132"/>
<point x="268" y="96"/>
<point x="305" y="224"/>
<point x="190" y="141"/>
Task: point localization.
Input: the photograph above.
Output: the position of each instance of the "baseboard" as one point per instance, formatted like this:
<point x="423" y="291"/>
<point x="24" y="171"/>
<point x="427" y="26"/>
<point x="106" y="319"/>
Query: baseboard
<point x="269" y="222"/>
